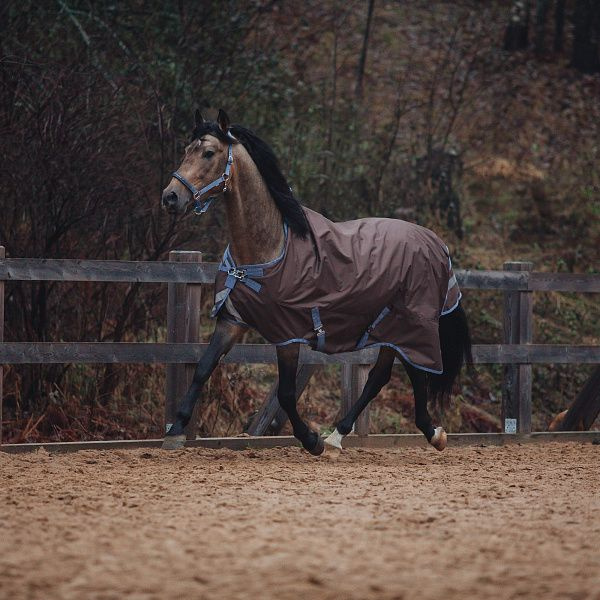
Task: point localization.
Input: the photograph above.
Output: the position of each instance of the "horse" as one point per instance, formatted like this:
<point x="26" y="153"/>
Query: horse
<point x="298" y="278"/>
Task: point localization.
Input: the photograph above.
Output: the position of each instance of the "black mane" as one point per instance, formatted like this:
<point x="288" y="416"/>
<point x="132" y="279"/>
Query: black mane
<point x="266" y="161"/>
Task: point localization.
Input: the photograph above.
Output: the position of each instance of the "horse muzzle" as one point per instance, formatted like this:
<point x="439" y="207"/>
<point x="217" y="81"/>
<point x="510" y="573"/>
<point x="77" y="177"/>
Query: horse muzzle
<point x="172" y="202"/>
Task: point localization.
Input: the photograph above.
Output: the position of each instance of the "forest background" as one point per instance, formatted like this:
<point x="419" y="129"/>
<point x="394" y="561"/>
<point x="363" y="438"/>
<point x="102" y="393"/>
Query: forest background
<point x="479" y="119"/>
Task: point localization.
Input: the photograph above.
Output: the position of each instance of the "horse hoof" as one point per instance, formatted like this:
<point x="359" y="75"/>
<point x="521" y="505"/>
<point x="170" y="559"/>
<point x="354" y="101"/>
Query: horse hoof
<point x="319" y="447"/>
<point x="335" y="439"/>
<point x="439" y="439"/>
<point x="331" y="453"/>
<point x="173" y="442"/>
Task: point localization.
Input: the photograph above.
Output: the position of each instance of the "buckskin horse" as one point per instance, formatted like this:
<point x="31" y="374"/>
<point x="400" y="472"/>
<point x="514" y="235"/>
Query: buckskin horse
<point x="298" y="278"/>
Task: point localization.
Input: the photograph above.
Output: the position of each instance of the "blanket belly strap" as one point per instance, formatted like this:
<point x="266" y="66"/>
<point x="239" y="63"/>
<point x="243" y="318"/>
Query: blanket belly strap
<point x="318" y="328"/>
<point x="364" y="339"/>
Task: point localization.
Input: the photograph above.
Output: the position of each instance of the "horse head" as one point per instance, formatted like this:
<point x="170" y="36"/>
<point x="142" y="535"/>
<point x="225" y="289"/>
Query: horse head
<point x="204" y="172"/>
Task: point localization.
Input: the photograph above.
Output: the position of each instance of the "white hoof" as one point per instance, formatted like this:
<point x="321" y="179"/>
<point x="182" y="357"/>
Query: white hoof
<point x="335" y="439"/>
<point x="439" y="439"/>
<point x="173" y="442"/>
<point x="331" y="453"/>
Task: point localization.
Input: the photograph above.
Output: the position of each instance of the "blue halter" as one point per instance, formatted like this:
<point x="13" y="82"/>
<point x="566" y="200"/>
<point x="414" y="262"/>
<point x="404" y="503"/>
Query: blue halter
<point x="201" y="206"/>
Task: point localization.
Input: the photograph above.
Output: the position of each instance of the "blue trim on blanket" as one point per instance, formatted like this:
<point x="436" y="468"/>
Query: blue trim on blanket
<point x="403" y="354"/>
<point x="292" y="341"/>
<point x="449" y="270"/>
<point x="399" y="350"/>
<point x="266" y="264"/>
<point x="447" y="312"/>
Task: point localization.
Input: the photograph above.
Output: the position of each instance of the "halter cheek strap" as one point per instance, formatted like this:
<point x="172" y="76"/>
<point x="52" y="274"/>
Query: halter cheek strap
<point x="201" y="206"/>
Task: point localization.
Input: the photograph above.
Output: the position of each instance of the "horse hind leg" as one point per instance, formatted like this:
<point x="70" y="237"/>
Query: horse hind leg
<point x="436" y="436"/>
<point x="378" y="376"/>
<point x="455" y="344"/>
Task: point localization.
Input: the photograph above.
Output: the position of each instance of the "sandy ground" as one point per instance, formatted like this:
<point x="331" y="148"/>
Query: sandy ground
<point x="478" y="522"/>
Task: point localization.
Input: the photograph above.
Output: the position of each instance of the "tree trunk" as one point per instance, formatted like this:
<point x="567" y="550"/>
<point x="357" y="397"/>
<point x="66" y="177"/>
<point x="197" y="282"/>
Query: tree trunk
<point x="517" y="30"/>
<point x="559" y="25"/>
<point x="363" y="53"/>
<point x="585" y="56"/>
<point x="541" y="14"/>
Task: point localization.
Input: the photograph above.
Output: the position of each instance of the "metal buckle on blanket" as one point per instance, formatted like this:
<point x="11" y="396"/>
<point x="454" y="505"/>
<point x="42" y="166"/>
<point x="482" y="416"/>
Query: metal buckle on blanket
<point x="320" y="330"/>
<point x="237" y="273"/>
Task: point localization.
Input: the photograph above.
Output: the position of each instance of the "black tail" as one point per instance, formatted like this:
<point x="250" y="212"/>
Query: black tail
<point x="455" y="342"/>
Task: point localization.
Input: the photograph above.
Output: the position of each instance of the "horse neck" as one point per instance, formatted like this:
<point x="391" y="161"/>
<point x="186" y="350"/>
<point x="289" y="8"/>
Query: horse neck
<point x="255" y="223"/>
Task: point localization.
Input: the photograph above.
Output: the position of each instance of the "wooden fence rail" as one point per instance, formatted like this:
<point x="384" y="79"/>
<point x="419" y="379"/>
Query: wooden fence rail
<point x="185" y="273"/>
<point x="38" y="269"/>
<point x="180" y="353"/>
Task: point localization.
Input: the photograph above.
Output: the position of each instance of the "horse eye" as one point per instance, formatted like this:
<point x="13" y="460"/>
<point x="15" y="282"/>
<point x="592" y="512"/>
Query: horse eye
<point x="208" y="154"/>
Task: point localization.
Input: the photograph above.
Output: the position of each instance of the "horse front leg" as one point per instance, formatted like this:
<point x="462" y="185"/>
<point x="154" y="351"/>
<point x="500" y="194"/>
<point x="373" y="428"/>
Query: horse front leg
<point x="287" y="363"/>
<point x="225" y="335"/>
<point x="379" y="376"/>
<point x="436" y="436"/>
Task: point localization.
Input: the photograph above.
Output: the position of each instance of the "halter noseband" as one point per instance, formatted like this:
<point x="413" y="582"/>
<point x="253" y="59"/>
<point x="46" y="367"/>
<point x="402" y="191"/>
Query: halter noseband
<point x="201" y="206"/>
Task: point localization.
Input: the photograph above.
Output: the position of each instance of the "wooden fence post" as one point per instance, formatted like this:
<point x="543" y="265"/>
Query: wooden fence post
<point x="183" y="325"/>
<point x="518" y="329"/>
<point x="354" y="378"/>
<point x="2" y="255"/>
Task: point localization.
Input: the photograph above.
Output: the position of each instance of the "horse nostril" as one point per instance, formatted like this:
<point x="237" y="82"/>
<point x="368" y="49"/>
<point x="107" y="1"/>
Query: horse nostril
<point x="169" y="199"/>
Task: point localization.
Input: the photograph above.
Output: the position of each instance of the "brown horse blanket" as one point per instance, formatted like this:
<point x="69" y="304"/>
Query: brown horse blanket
<point x="369" y="282"/>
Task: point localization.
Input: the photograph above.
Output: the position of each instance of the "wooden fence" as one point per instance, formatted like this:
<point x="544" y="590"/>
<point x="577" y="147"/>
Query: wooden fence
<point x="185" y="274"/>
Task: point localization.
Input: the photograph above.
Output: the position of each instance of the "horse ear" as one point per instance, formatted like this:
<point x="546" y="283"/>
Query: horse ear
<point x="223" y="121"/>
<point x="198" y="118"/>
